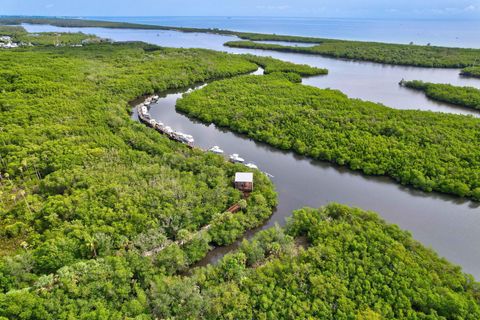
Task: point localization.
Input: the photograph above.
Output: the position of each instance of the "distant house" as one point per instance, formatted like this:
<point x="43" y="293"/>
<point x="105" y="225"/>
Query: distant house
<point x="8" y="45"/>
<point x="244" y="181"/>
<point x="6" y="42"/>
<point x="5" y="39"/>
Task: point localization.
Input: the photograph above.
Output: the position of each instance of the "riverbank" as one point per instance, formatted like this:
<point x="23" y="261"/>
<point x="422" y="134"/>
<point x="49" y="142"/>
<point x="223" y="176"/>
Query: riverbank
<point x="334" y="262"/>
<point x="327" y="125"/>
<point x="364" y="80"/>
<point x="452" y="235"/>
<point x="473" y="72"/>
<point x="141" y="113"/>
<point x="461" y="96"/>
<point x="396" y="54"/>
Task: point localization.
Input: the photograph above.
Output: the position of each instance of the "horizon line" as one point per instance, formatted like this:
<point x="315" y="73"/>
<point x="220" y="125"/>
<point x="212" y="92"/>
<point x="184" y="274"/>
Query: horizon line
<point x="80" y="17"/>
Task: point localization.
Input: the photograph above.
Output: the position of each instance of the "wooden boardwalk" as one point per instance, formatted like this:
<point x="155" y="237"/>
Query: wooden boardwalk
<point x="233" y="209"/>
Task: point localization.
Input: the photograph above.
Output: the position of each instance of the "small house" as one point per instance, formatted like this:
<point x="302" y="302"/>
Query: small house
<point x="244" y="181"/>
<point x="6" y="39"/>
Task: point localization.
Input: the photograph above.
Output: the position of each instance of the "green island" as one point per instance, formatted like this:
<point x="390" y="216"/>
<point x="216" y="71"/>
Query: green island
<point x="461" y="96"/>
<point x="86" y="192"/>
<point x="427" y="150"/>
<point x="271" y="65"/>
<point x="473" y="72"/>
<point x="397" y="54"/>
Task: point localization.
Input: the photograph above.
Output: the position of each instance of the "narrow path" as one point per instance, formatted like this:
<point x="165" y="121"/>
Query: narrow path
<point x="232" y="210"/>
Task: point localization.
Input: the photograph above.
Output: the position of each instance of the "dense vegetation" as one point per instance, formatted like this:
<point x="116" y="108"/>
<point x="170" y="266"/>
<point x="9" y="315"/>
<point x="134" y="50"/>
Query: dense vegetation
<point x="398" y="54"/>
<point x="462" y="96"/>
<point x="85" y="192"/>
<point x="84" y="23"/>
<point x="352" y="266"/>
<point x="331" y="263"/>
<point x="471" y="72"/>
<point x="427" y="150"/>
<point x="80" y="181"/>
<point x="277" y="37"/>
<point x="271" y="65"/>
<point x="20" y="35"/>
<point x="13" y="31"/>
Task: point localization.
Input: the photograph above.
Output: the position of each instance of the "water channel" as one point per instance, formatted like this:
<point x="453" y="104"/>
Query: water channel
<point x="449" y="225"/>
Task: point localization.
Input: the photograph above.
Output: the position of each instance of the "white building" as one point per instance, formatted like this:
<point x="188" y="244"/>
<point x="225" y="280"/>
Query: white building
<point x="6" y="42"/>
<point x="244" y="181"/>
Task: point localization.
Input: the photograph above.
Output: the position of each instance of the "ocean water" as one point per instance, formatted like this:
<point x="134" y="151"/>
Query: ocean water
<point x="453" y="33"/>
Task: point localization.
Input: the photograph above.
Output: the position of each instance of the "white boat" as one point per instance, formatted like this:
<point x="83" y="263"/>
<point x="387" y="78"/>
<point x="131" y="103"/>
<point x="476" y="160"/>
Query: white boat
<point x="185" y="137"/>
<point x="168" y="130"/>
<point x="235" y="158"/>
<point x="216" y="149"/>
<point x="268" y="175"/>
<point x="251" y="165"/>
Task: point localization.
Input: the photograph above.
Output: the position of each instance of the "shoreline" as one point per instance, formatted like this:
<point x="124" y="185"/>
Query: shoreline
<point x="254" y="36"/>
<point x="424" y="56"/>
<point x="137" y="115"/>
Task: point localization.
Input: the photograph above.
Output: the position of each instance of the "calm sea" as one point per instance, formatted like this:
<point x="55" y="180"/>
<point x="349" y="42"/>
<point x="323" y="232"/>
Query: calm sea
<point x="455" y="33"/>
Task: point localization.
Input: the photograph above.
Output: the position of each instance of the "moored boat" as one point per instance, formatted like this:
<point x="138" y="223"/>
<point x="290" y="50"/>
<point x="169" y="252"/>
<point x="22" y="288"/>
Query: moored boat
<point x="251" y="165"/>
<point x="235" y="158"/>
<point x="216" y="149"/>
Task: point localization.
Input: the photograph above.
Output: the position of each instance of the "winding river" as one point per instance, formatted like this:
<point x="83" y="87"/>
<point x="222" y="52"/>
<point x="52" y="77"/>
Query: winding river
<point x="449" y="225"/>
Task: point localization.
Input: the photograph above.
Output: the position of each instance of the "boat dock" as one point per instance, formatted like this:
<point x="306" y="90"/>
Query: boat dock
<point x="145" y="117"/>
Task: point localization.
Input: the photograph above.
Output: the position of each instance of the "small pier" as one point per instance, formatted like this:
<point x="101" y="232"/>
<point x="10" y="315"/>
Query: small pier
<point x="145" y="117"/>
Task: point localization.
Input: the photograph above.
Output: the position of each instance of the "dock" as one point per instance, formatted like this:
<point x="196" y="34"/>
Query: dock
<point x="144" y="117"/>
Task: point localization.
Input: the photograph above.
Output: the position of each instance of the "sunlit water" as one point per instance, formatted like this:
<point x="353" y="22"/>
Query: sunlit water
<point x="449" y="225"/>
<point x="442" y="32"/>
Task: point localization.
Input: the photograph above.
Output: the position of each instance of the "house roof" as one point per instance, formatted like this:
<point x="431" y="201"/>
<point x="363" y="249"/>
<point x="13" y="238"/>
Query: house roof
<point x="244" y="177"/>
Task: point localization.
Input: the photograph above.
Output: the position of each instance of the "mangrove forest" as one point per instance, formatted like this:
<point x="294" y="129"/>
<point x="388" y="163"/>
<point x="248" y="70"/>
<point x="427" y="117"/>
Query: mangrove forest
<point x="102" y="217"/>
<point x="427" y="150"/>
<point x="468" y="97"/>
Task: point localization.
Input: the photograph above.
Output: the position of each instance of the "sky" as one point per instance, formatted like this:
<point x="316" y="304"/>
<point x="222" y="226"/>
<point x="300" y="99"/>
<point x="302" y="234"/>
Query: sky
<point x="431" y="9"/>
